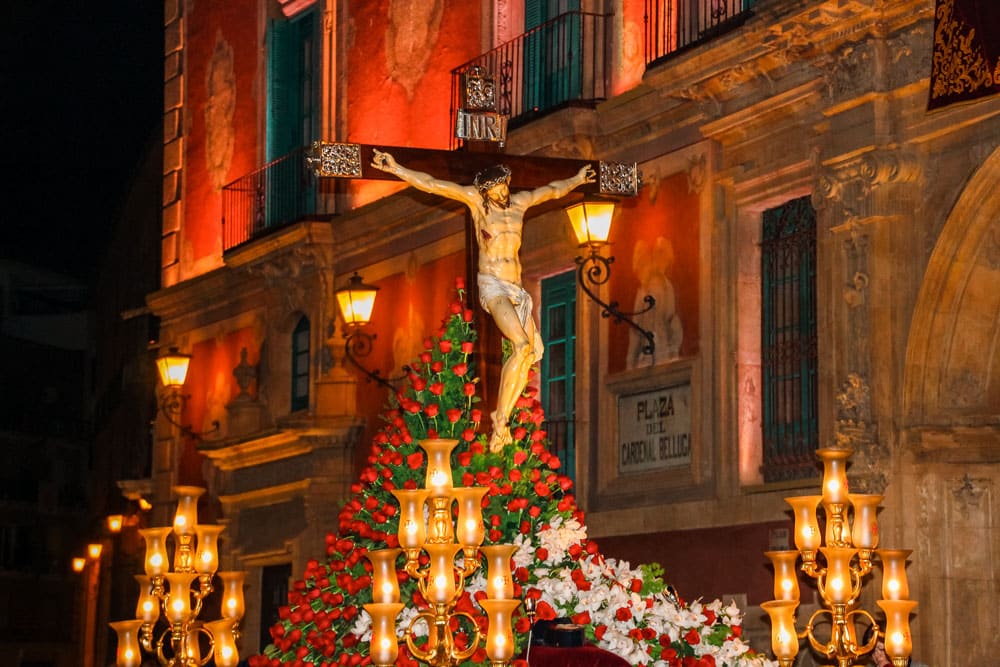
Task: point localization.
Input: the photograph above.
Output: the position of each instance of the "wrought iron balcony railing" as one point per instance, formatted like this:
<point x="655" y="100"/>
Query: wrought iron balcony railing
<point x="279" y="193"/>
<point x="563" y="62"/>
<point x="673" y="25"/>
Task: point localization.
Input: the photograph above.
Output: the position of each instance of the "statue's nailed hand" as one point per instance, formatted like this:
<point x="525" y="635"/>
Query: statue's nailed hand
<point x="587" y="174"/>
<point x="384" y="161"/>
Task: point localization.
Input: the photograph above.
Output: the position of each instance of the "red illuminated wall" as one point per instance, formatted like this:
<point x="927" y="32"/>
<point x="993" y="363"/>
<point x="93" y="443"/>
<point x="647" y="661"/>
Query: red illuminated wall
<point x="664" y="216"/>
<point x="409" y="309"/>
<point x="400" y="57"/>
<point x="220" y="117"/>
<point x="211" y="386"/>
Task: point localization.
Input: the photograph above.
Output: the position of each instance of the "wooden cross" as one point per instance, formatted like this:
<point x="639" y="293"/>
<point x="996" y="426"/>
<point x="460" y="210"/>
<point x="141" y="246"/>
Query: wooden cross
<point x="344" y="160"/>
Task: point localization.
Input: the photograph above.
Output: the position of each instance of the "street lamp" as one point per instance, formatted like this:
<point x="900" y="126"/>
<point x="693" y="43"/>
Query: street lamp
<point x="356" y="301"/>
<point x="591" y="221"/>
<point x="173" y="368"/>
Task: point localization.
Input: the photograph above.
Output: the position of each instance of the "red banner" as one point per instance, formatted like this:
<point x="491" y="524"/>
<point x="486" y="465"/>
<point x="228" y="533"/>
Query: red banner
<point x="965" y="64"/>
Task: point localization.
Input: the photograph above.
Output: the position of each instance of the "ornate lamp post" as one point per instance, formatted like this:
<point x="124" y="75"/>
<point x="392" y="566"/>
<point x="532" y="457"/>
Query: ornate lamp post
<point x="441" y="581"/>
<point x="839" y="568"/>
<point x="176" y="596"/>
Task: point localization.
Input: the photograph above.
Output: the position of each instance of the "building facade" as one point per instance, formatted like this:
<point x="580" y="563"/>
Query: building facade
<point x="822" y="249"/>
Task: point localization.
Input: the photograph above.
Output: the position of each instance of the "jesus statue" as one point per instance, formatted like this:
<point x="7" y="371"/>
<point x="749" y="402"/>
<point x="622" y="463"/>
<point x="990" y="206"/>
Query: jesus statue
<point x="498" y="217"/>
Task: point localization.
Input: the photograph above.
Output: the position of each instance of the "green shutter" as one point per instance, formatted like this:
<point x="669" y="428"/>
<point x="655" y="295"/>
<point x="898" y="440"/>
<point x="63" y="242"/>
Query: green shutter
<point x="558" y="368"/>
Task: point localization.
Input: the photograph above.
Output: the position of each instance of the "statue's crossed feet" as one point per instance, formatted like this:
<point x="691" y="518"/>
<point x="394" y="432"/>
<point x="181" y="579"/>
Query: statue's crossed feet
<point x="500" y="437"/>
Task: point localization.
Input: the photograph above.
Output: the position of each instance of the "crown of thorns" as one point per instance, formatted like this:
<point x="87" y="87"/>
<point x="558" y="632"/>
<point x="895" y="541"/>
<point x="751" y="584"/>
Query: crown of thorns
<point x="491" y="176"/>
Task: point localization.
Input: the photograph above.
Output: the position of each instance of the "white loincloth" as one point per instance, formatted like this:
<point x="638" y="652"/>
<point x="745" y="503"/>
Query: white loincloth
<point x="491" y="287"/>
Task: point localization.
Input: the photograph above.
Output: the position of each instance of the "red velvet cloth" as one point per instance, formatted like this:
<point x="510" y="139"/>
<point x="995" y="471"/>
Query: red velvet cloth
<point x="583" y="656"/>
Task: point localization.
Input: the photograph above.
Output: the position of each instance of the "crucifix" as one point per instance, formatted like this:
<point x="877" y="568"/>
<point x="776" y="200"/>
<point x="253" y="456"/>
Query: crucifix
<point x="494" y="221"/>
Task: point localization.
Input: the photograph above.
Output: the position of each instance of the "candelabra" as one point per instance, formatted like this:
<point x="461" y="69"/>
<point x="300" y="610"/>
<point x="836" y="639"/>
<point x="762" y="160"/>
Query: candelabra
<point x="196" y="559"/>
<point x="442" y="580"/>
<point x="844" y="563"/>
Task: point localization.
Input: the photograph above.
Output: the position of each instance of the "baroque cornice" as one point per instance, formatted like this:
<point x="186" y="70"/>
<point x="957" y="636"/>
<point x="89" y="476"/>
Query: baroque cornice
<point x="780" y="37"/>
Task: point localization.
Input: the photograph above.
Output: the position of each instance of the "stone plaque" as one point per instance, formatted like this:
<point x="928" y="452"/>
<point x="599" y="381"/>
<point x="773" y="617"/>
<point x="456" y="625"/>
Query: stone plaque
<point x="654" y="430"/>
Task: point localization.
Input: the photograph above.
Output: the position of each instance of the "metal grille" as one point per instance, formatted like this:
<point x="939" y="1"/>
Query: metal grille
<point x="788" y="341"/>
<point x="563" y="62"/>
<point x="672" y="25"/>
<point x="279" y="193"/>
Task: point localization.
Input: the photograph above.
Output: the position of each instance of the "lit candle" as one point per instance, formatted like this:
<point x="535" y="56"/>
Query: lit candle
<point x="807" y="536"/>
<point x="385" y="585"/>
<point x="178" y="601"/>
<point x="470" y="530"/>
<point x="128" y="653"/>
<point x="224" y="643"/>
<point x="156" y="550"/>
<point x="838" y="587"/>
<point x="786" y="582"/>
<point x="834" y="474"/>
<point x="784" y="641"/>
<point x="499" y="583"/>
<point x="412" y="524"/>
<point x="206" y="559"/>
<point x="147" y="609"/>
<point x="898" y="642"/>
<point x="441" y="572"/>
<point x="499" y="638"/>
<point x="894" y="584"/>
<point x="383" y="648"/>
<point x="438" y="480"/>
<point x="864" y="531"/>
<point x="186" y="517"/>
<point x="232" y="594"/>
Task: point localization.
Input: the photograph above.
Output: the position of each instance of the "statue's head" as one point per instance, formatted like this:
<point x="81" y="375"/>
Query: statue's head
<point x="493" y="184"/>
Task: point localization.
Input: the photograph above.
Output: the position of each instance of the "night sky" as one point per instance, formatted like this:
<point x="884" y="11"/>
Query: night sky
<point x="80" y="100"/>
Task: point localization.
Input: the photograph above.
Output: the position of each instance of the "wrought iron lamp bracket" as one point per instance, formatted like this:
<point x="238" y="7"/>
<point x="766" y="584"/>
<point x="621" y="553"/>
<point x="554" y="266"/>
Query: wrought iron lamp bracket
<point x="172" y="406"/>
<point x="594" y="270"/>
<point x="358" y="344"/>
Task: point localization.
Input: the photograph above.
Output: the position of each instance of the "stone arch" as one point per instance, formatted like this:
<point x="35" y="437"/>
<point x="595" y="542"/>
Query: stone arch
<point x="952" y="369"/>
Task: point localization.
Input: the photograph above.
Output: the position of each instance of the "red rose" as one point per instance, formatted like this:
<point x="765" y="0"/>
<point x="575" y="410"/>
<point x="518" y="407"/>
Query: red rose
<point x="582" y="618"/>
<point x="519" y="433"/>
<point x="635" y="585"/>
<point x="541" y="553"/>
<point x="623" y="614"/>
<point x="476" y="415"/>
<point x="542" y="489"/>
<point x="431" y="410"/>
<point x="469" y="389"/>
<point x="467" y="315"/>
<point x="580" y="580"/>
<point x="709" y="617"/>
<point x="459" y="282"/>
<point x="425" y="357"/>
<point x="534" y="511"/>
<point x="469" y="435"/>
<point x="554" y="462"/>
<point x="419" y="384"/>
<point x="514" y="475"/>
<point x="454" y="414"/>
<point x="692" y="637"/>
<point x="600" y="630"/>
<point x="460" y="369"/>
<point x="437" y="367"/>
<point x="464" y="458"/>
<point x="467" y="347"/>
<point x="455" y="307"/>
<point x="520" y="456"/>
<point x="444" y="345"/>
<point x="436" y="388"/>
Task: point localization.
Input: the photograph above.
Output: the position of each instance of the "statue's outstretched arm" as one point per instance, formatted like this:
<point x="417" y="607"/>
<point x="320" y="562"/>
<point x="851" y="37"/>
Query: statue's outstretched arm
<point x="557" y="189"/>
<point x="422" y="181"/>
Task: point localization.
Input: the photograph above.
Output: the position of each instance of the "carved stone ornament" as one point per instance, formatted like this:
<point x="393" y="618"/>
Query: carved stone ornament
<point x="856" y="431"/>
<point x="245" y="374"/>
<point x="335" y="159"/>
<point x="618" y="178"/>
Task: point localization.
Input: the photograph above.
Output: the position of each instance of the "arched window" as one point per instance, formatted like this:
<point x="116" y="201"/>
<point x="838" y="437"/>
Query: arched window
<point x="300" y="365"/>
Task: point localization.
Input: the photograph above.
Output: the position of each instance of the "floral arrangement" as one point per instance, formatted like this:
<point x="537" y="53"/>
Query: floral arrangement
<point x="529" y="503"/>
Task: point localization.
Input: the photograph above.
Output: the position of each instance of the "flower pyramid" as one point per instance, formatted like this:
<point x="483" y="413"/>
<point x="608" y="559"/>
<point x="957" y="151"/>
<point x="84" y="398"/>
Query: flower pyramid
<point x="529" y="503"/>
